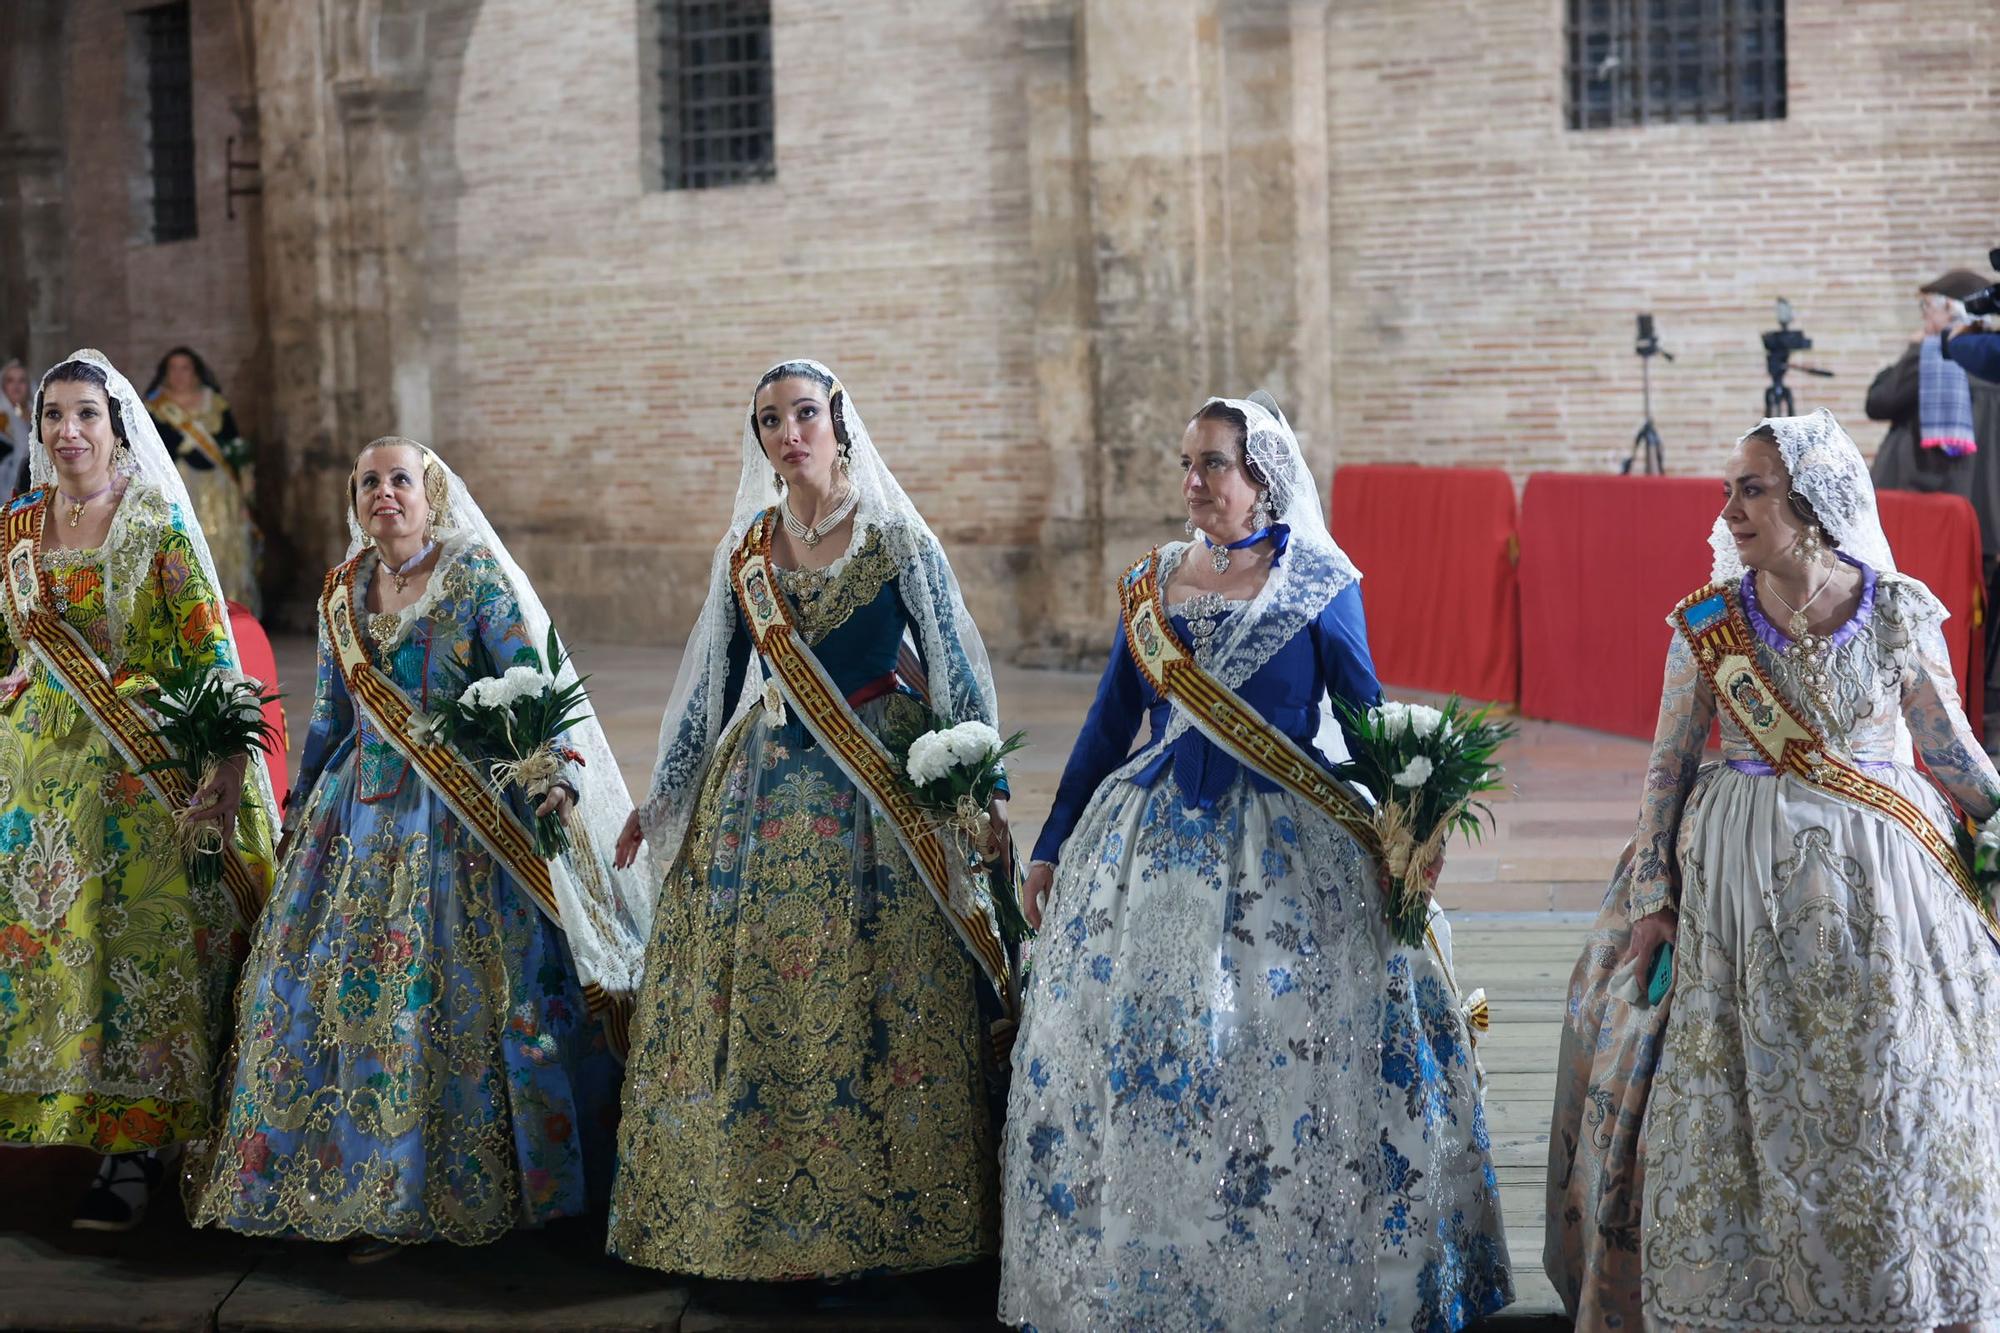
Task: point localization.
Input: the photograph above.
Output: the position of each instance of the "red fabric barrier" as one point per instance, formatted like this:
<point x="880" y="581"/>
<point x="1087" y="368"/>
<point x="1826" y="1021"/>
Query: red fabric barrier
<point x="1435" y="547"/>
<point x="259" y="662"/>
<point x="1605" y="558"/>
<point x="1936" y="539"/>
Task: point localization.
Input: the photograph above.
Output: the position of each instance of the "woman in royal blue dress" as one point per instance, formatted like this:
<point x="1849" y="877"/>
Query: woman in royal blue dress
<point x="1236" y="1103"/>
<point x="814" y="1087"/>
<point x="419" y="1054"/>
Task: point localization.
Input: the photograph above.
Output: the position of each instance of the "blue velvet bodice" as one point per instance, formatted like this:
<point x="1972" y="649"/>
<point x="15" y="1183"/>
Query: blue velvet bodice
<point x="1328" y="656"/>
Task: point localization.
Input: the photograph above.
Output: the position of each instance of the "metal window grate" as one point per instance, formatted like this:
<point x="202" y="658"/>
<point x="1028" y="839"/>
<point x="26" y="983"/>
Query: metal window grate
<point x="715" y="93"/>
<point x="1658" y="62"/>
<point x="170" y="120"/>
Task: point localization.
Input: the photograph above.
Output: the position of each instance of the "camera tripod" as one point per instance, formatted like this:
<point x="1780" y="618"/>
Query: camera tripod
<point x="1778" y="400"/>
<point x="1646" y="440"/>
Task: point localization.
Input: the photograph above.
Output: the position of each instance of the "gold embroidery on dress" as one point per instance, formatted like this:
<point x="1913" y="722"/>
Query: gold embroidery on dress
<point x="825" y="598"/>
<point x="384" y="993"/>
<point x="770" y="970"/>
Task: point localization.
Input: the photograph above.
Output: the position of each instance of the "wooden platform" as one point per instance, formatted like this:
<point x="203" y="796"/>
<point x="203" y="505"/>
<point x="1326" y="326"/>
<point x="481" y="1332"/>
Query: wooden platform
<point x="1519" y="902"/>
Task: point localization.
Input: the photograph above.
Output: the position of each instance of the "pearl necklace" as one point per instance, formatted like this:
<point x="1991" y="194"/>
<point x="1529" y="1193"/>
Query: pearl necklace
<point x="812" y="536"/>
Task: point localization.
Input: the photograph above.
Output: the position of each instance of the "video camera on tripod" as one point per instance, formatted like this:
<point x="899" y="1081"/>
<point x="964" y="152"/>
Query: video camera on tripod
<point x="1779" y="344"/>
<point x="1646" y="441"/>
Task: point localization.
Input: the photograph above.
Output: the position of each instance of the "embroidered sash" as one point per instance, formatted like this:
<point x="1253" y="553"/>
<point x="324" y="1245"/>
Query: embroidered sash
<point x="456" y="781"/>
<point x="68" y="656"/>
<point x="821" y="706"/>
<point x="1223" y="716"/>
<point x="1725" y="650"/>
<point x="188" y="424"/>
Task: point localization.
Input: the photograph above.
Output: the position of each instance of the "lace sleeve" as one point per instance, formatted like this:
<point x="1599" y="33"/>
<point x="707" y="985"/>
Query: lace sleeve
<point x="947" y="641"/>
<point x="1687" y="709"/>
<point x="1937" y="724"/>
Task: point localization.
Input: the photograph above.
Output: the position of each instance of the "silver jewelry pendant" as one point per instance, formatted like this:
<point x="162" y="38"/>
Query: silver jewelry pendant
<point x="1218" y="556"/>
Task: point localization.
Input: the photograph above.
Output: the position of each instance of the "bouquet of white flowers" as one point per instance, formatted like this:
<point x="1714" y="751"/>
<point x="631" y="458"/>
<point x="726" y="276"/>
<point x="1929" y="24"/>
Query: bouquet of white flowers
<point x="511" y="719"/>
<point x="1425" y="767"/>
<point x="954" y="772"/>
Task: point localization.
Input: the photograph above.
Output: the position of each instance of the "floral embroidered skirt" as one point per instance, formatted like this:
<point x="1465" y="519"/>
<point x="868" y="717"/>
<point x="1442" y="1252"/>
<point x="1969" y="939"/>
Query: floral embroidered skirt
<point x="1235" y="1105"/>
<point x="115" y="975"/>
<point x="811" y="1091"/>
<point x="414" y="1059"/>
<point x="1610" y="1047"/>
<point x="1821" y="1146"/>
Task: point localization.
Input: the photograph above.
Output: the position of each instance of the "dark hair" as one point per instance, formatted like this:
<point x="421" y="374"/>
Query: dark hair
<point x="83" y="372"/>
<point x="805" y="370"/>
<point x="201" y="369"/>
<point x="1234" y="418"/>
<point x="1801" y="507"/>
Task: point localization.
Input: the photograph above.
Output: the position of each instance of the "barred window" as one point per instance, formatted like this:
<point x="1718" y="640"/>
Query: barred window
<point x="170" y="119"/>
<point x="1656" y="62"/>
<point x="715" y="93"/>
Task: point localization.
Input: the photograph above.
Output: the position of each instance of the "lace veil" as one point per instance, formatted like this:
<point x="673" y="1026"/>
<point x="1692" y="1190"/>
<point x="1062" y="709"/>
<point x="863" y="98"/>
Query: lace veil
<point x="131" y="544"/>
<point x="1310" y="574"/>
<point x="1829" y="473"/>
<point x="607" y="913"/>
<point x="954" y="656"/>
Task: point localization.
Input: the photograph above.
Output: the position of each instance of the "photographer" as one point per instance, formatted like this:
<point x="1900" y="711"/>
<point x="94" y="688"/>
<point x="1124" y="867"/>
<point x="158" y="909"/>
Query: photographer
<point x="1901" y="463"/>
<point x="1977" y="351"/>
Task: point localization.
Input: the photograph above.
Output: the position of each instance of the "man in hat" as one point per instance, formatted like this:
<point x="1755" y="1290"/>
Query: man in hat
<point x="1902" y="462"/>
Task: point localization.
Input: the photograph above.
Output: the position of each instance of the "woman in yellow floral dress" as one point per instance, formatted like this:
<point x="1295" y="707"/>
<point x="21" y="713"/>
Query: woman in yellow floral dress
<point x="115" y="972"/>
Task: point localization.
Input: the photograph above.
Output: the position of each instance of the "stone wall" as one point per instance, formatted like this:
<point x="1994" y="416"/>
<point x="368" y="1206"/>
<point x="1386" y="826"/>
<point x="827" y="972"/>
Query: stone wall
<point x="122" y="293"/>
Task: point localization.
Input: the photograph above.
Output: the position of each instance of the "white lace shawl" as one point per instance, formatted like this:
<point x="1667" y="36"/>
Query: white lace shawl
<point x="954" y="655"/>
<point x="607" y="913"/>
<point x="154" y="497"/>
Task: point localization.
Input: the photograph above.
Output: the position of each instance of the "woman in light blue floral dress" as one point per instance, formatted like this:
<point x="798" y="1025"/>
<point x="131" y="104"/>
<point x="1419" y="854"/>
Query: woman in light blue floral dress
<point x="416" y="1053"/>
<point x="1236" y="1104"/>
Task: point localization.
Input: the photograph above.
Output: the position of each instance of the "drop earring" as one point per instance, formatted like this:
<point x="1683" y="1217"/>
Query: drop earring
<point x="1808" y="549"/>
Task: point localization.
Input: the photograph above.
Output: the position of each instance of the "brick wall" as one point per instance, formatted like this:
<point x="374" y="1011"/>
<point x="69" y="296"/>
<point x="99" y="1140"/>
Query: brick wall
<point x="585" y="343"/>
<point x="130" y="298"/>
<point x="1488" y="262"/>
<point x="605" y="335"/>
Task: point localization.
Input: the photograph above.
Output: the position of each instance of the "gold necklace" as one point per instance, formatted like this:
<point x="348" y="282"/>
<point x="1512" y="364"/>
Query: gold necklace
<point x="76" y="505"/>
<point x="1796" y="626"/>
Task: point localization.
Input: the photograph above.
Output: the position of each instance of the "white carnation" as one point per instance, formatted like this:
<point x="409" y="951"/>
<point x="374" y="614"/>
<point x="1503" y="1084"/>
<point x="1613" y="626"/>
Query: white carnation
<point x="1415" y="773"/>
<point x="1393" y="720"/>
<point x="1989" y="833"/>
<point x="1424" y="720"/>
<point x="504" y="691"/>
<point x="971" y="742"/>
<point x="929" y="760"/>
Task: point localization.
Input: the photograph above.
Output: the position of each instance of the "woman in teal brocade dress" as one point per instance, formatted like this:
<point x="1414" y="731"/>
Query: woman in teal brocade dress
<point x="415" y="1058"/>
<point x="812" y="1091"/>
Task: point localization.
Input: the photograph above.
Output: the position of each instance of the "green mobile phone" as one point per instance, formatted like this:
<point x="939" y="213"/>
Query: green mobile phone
<point x="1663" y="974"/>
